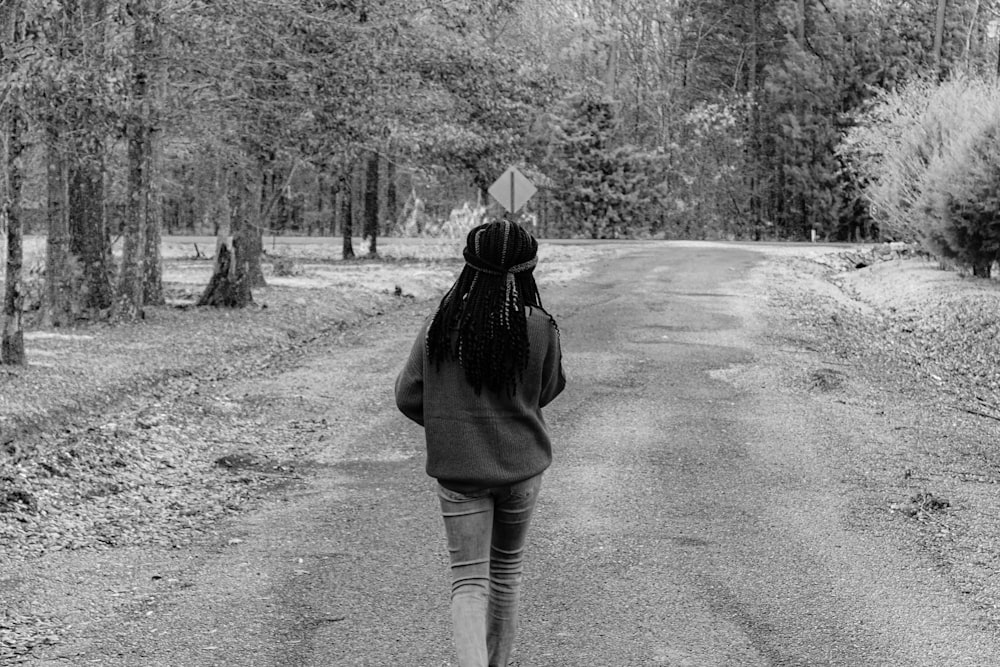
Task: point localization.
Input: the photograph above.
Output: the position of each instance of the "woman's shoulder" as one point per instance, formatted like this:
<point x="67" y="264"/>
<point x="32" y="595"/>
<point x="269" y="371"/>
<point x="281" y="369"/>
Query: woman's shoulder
<point x="536" y="311"/>
<point x="539" y="318"/>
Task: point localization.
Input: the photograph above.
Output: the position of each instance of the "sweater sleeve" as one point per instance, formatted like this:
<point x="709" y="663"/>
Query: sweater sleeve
<point x="553" y="378"/>
<point x="410" y="383"/>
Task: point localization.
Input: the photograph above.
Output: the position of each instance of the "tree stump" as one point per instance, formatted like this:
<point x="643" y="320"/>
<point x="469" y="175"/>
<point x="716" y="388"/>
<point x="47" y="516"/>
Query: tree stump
<point x="229" y="287"/>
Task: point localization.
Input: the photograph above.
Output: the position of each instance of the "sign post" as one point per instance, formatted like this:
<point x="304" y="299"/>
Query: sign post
<point x="512" y="190"/>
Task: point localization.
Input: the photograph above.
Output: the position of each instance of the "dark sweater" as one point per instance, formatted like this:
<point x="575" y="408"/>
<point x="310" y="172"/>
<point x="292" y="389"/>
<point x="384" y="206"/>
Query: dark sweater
<point x="492" y="439"/>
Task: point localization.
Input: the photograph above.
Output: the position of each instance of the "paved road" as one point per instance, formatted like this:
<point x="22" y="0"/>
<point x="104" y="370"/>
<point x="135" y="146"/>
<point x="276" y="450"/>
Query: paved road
<point x="686" y="521"/>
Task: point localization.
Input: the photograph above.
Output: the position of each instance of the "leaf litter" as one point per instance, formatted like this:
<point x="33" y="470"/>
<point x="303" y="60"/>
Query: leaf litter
<point x="124" y="437"/>
<point x="917" y="348"/>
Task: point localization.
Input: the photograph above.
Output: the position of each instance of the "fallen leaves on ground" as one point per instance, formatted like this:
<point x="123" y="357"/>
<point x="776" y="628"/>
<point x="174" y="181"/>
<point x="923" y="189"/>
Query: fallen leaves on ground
<point x="903" y="330"/>
<point x="124" y="436"/>
<point x="21" y="633"/>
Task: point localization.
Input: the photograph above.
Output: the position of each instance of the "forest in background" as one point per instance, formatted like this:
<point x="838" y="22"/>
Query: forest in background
<point x="122" y="120"/>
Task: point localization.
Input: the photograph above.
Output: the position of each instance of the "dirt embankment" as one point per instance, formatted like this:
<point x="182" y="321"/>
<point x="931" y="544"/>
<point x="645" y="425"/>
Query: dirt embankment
<point x="917" y="348"/>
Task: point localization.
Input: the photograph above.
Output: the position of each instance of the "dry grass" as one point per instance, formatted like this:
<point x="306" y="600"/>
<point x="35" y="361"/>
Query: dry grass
<point x="81" y="370"/>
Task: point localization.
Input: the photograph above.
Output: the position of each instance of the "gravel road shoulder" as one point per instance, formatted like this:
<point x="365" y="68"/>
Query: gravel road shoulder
<point x="913" y="350"/>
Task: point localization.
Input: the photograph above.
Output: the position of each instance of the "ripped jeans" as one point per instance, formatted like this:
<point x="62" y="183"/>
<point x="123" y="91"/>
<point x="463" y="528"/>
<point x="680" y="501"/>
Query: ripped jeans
<point x="486" y="531"/>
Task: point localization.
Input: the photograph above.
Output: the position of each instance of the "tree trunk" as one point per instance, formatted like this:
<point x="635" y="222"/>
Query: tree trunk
<point x="611" y="66"/>
<point x="88" y="214"/>
<point x="800" y="23"/>
<point x="89" y="243"/>
<point x="248" y="237"/>
<point x="141" y="272"/>
<point x="130" y="278"/>
<point x="152" y="283"/>
<point x="230" y="285"/>
<point x="133" y="270"/>
<point x="9" y="13"/>
<point x="58" y="308"/>
<point x="321" y="190"/>
<point x="358" y="197"/>
<point x="89" y="237"/>
<point x="391" y="196"/>
<point x="347" y="216"/>
<point x="335" y="208"/>
<point x="11" y="141"/>
<point x="219" y="291"/>
<point x="371" y="204"/>
<point x="939" y="36"/>
<point x="982" y="269"/>
<point x="75" y="191"/>
<point x="226" y="288"/>
<point x="216" y="213"/>
<point x="12" y="343"/>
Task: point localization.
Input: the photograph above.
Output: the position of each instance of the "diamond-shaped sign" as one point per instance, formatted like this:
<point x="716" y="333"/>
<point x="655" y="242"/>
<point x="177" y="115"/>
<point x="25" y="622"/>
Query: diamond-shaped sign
<point x="512" y="190"/>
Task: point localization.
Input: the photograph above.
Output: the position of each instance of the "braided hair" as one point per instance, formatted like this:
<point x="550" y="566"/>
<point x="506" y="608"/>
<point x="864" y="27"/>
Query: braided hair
<point x="481" y="321"/>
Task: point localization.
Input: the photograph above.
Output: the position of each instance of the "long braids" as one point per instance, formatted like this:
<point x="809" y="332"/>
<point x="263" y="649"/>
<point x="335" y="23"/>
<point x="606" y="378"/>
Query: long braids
<point x="482" y="321"/>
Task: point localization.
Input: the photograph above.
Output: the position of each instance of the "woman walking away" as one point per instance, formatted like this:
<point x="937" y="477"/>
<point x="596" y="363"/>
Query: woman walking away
<point x="477" y="378"/>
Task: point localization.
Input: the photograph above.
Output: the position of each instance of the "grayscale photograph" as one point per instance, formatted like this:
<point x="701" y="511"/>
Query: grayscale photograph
<point x="500" y="333"/>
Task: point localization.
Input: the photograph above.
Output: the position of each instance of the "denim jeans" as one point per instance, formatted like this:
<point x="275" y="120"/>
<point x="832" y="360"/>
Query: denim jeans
<point x="486" y="531"/>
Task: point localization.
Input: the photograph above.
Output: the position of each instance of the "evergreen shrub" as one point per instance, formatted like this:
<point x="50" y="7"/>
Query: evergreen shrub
<point x="928" y="157"/>
<point x="962" y="201"/>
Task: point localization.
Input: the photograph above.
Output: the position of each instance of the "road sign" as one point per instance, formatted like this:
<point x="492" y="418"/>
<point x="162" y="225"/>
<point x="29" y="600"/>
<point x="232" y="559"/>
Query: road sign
<point x="512" y="190"/>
